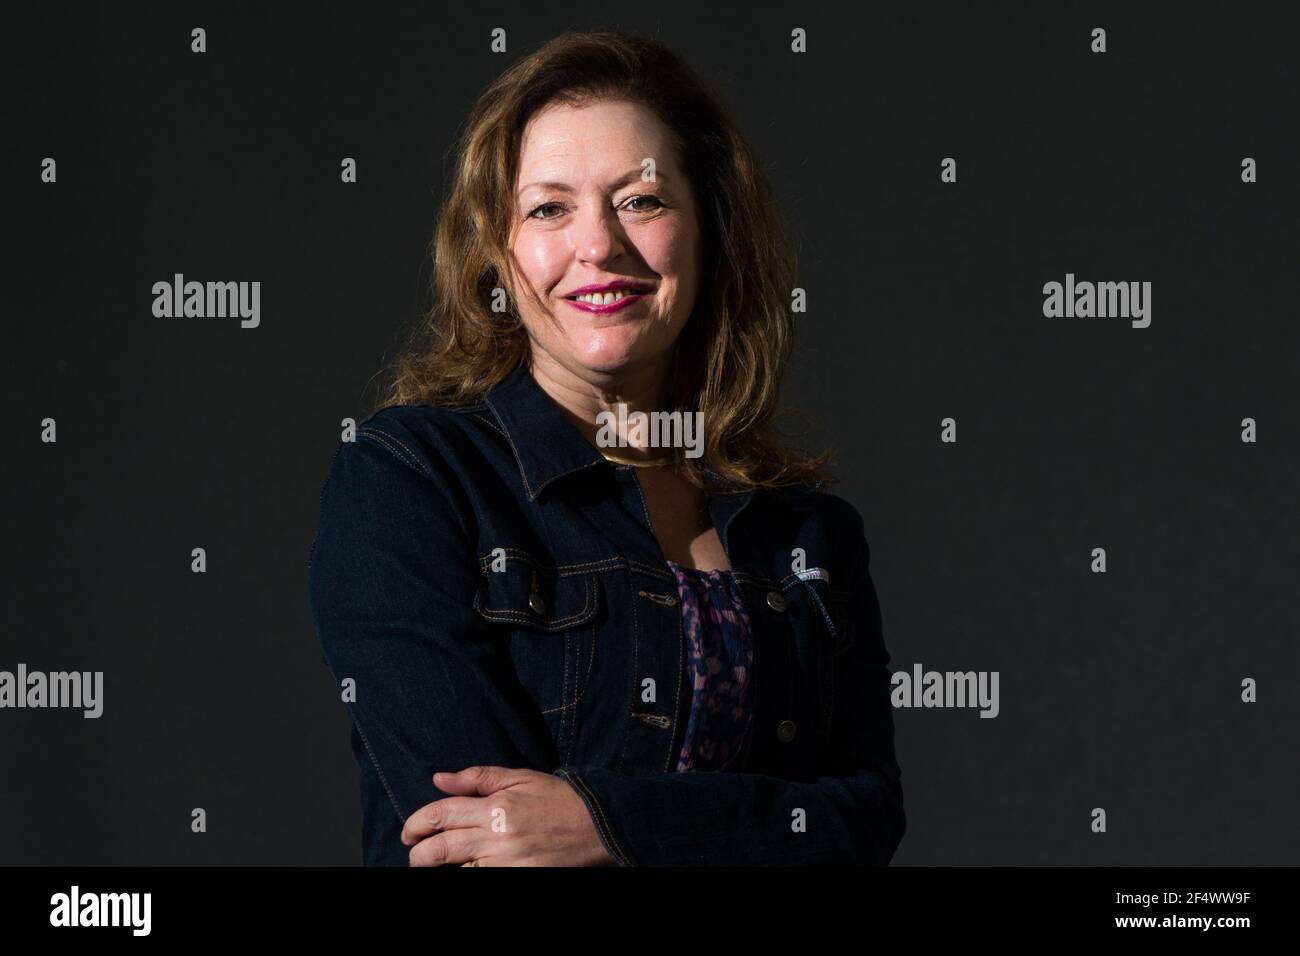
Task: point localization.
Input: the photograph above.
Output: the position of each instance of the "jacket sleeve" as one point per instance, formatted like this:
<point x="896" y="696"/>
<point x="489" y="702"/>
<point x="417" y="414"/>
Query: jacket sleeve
<point x="392" y="575"/>
<point x="852" y="813"/>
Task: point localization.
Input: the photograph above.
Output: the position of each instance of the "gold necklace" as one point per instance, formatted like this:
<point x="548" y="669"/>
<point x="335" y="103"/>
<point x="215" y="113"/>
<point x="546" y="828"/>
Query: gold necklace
<point x="634" y="462"/>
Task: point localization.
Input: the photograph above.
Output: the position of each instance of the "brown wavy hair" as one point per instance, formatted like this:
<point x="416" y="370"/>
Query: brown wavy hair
<point x="733" y="350"/>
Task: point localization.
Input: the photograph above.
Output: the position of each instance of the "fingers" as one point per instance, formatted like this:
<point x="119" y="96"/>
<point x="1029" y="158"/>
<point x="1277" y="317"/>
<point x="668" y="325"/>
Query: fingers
<point x="478" y="780"/>
<point x="457" y="829"/>
<point x="447" y="813"/>
<point x="447" y="848"/>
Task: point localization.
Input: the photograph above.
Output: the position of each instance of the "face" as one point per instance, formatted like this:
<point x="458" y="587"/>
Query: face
<point x="585" y="217"/>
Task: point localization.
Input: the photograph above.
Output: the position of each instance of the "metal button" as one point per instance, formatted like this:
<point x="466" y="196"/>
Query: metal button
<point x="536" y="603"/>
<point x="785" y="731"/>
<point x="776" y="600"/>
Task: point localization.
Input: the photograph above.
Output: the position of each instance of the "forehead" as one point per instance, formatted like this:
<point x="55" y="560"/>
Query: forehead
<point x="596" y="136"/>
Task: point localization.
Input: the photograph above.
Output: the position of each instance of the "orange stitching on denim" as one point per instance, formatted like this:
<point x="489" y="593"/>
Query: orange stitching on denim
<point x="600" y="811"/>
<point x="580" y="691"/>
<point x="405" y="454"/>
<point x="662" y="573"/>
<point x="608" y="564"/>
<point x="583" y="684"/>
<point x="550" y="624"/>
<point x="564" y="686"/>
<point x="380" y="439"/>
<point x="351" y="708"/>
<point x="486" y="421"/>
<point x="567" y="713"/>
<point x="564" y="570"/>
<point x="374" y="759"/>
<point x="604" y="564"/>
<point x="532" y="495"/>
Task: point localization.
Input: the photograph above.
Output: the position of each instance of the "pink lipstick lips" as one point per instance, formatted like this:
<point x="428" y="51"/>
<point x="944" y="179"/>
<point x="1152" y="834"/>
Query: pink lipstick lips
<point x="632" y="292"/>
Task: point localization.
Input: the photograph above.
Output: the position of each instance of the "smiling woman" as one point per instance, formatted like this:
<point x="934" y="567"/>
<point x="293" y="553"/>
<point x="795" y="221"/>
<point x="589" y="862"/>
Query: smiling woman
<point x="567" y="657"/>
<point x="583" y="164"/>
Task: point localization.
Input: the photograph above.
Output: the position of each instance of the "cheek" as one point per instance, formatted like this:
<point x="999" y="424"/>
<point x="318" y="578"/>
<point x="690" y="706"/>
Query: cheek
<point x="670" y="247"/>
<point x="541" y="259"/>
<point x="674" y="253"/>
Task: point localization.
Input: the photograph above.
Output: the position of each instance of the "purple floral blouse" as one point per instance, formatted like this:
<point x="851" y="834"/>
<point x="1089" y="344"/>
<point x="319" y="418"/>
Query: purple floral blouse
<point x="719" y="667"/>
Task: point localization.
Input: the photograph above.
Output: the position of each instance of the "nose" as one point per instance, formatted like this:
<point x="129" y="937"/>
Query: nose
<point x="598" y="235"/>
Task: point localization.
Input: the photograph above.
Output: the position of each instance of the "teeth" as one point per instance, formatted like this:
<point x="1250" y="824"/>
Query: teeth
<point x="604" y="298"/>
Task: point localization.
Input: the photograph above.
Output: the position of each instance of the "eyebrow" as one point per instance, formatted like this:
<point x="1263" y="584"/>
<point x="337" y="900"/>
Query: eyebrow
<point x="565" y="187"/>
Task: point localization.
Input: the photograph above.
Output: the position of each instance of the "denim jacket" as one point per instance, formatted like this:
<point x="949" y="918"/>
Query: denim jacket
<point x="492" y="587"/>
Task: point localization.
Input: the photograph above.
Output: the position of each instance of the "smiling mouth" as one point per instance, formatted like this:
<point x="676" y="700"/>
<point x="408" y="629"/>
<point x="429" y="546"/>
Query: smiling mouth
<point x="606" y="303"/>
<point x="607" y="298"/>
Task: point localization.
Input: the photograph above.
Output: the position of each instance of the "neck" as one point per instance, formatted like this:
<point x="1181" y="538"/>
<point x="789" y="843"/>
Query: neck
<point x="583" y="400"/>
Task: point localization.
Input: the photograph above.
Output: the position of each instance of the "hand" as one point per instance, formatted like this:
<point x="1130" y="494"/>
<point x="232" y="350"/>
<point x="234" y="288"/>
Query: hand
<point x="504" y="817"/>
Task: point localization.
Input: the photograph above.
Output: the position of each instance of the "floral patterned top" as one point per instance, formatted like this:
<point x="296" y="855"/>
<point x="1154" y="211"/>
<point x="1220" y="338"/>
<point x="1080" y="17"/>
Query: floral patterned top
<point x="719" y="667"/>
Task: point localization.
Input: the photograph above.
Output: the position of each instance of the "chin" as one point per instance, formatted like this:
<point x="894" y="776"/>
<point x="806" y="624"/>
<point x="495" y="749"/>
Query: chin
<point x="603" y="364"/>
<point x="608" y="354"/>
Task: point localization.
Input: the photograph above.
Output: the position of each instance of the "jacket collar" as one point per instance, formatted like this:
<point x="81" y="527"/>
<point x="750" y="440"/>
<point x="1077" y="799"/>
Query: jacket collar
<point x="549" y="448"/>
<point x="546" y="444"/>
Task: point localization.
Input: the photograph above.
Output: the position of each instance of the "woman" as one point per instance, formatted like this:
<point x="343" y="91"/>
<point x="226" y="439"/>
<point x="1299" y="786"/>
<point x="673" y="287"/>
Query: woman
<point x="556" y="651"/>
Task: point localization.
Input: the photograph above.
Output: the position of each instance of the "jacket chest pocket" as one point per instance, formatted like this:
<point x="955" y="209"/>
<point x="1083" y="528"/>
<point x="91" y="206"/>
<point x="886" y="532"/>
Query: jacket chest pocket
<point x="548" y="622"/>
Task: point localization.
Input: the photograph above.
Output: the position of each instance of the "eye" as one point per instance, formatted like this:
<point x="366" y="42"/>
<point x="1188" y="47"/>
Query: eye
<point x="653" y="199"/>
<point x="533" y="214"/>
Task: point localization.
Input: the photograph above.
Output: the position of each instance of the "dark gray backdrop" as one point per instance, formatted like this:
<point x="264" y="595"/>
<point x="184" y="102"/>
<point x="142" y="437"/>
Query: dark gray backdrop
<point x="1118" y="690"/>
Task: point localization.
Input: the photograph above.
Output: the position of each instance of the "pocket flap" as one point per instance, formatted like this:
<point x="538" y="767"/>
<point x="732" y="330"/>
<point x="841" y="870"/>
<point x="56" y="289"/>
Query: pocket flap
<point x="521" y="594"/>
